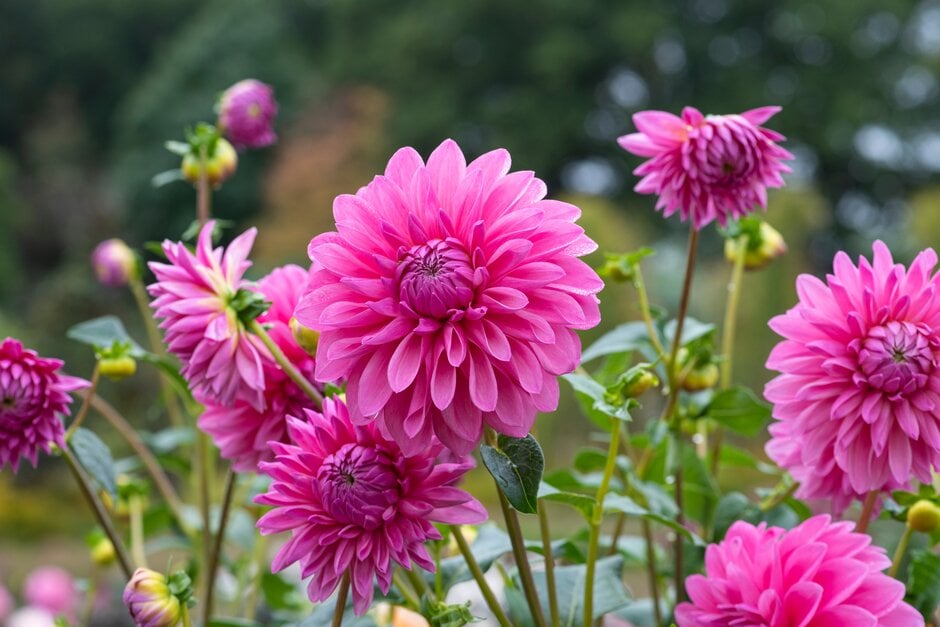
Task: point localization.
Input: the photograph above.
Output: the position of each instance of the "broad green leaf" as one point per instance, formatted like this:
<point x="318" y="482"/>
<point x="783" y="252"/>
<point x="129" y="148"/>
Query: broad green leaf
<point x="692" y="330"/>
<point x="278" y="593"/>
<point x="734" y="456"/>
<point x="591" y="396"/>
<point x="516" y="464"/>
<point x="581" y="502"/>
<point x="95" y="456"/>
<point x="617" y="503"/>
<point x="490" y="544"/>
<point x="103" y="333"/>
<point x="657" y="499"/>
<point x="739" y="410"/>
<point x="629" y="336"/>
<point x="923" y="585"/>
<point x="610" y="594"/>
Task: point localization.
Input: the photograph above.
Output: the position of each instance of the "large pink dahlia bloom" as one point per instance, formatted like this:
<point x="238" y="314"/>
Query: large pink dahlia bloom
<point x="858" y="397"/>
<point x="818" y="574"/>
<point x="448" y="298"/>
<point x="193" y="295"/>
<point x="707" y="167"/>
<point x="242" y="432"/>
<point x="32" y="394"/>
<point x="354" y="502"/>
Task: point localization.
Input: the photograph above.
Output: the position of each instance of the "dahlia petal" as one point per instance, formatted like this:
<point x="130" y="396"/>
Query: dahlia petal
<point x="404" y="363"/>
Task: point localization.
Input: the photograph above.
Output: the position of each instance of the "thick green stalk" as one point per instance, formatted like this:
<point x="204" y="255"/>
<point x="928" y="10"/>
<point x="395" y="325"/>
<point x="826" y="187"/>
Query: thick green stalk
<point x="597" y="517"/>
<point x="899" y="552"/>
<point x="478" y="576"/>
<point x="136" y="507"/>
<point x="341" y="600"/>
<point x="640" y="287"/>
<point x="255" y="327"/>
<point x="405" y="590"/>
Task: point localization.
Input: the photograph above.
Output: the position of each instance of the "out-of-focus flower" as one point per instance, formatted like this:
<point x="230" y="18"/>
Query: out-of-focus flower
<point x="819" y="573"/>
<point x="31" y="617"/>
<point x="114" y="263"/>
<point x="220" y="165"/>
<point x="6" y="603"/>
<point x="765" y="245"/>
<point x="32" y="394"/>
<point x="102" y="552"/>
<point x="198" y="298"/>
<point x="858" y="398"/>
<point x="242" y="432"/>
<point x="448" y="298"/>
<point x="354" y="503"/>
<point x="924" y="516"/>
<point x="714" y="167"/>
<point x="246" y="114"/>
<point x="152" y="601"/>
<point x="51" y="589"/>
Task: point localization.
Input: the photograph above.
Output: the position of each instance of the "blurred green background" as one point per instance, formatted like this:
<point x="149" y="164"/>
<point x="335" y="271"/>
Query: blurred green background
<point x="90" y="89"/>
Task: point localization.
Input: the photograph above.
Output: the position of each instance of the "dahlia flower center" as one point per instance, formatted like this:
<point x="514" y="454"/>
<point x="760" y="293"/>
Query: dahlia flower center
<point x="358" y="484"/>
<point x="17" y="400"/>
<point x="435" y="279"/>
<point x="899" y="357"/>
<point x="733" y="158"/>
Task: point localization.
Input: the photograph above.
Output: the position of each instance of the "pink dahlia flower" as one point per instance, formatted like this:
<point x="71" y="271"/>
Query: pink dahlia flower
<point x="448" y="298"/>
<point x="858" y="397"/>
<point x="193" y="295"/>
<point x="242" y="432"/>
<point x="707" y="167"/>
<point x="354" y="502"/>
<point x="246" y="114"/>
<point x="32" y="394"/>
<point x="818" y="574"/>
<point x="52" y="589"/>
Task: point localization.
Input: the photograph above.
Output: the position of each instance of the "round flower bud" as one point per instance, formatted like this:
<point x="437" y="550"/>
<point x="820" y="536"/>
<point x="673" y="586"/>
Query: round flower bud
<point x="219" y="166"/>
<point x="117" y="368"/>
<point x="640" y="384"/>
<point x="769" y="246"/>
<point x="246" y="114"/>
<point x="924" y="516"/>
<point x="102" y="552"/>
<point x="305" y="337"/>
<point x="149" y="600"/>
<point x="701" y="378"/>
<point x="114" y="263"/>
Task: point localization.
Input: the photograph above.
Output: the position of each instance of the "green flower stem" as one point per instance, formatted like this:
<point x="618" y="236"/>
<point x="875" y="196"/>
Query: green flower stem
<point x="438" y="575"/>
<point x="899" y="552"/>
<point x="867" y="508"/>
<point x="86" y="403"/>
<point x="478" y="576"/>
<point x="156" y="345"/>
<point x="341" y="600"/>
<point x="147" y="458"/>
<point x="651" y="569"/>
<point x="778" y="496"/>
<point x="597" y="517"/>
<point x="101" y="514"/>
<point x="405" y="590"/>
<point x="255" y="327"/>
<point x="203" y="191"/>
<point x="202" y="486"/>
<point x="671" y="365"/>
<point x="216" y="551"/>
<point x="549" y="566"/>
<point x="640" y="287"/>
<point x="184" y="615"/>
<point x="420" y="585"/>
<point x="136" y="506"/>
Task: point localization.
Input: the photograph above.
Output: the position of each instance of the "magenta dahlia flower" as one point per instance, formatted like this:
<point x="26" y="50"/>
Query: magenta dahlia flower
<point x="242" y="432"/>
<point x="858" y="397"/>
<point x="448" y="298"/>
<point x="246" y="114"/>
<point x="32" y="395"/>
<point x="707" y="167"/>
<point x="193" y="295"/>
<point x="818" y="574"/>
<point x="354" y="502"/>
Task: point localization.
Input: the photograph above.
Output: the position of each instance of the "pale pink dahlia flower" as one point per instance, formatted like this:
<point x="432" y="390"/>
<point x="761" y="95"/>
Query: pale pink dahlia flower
<point x="193" y="295"/>
<point x="32" y="394"/>
<point x="52" y="589"/>
<point x="707" y="167"/>
<point x="448" y="298"/>
<point x="246" y="114"/>
<point x="354" y="502"/>
<point x="242" y="432"/>
<point x="818" y="574"/>
<point x="858" y="400"/>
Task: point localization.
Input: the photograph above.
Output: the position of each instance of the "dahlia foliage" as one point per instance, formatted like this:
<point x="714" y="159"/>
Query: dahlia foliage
<point x="320" y="446"/>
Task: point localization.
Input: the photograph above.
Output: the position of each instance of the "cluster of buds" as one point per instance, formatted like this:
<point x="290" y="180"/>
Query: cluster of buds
<point x="697" y="367"/>
<point x="764" y="243"/>
<point x="155" y="600"/>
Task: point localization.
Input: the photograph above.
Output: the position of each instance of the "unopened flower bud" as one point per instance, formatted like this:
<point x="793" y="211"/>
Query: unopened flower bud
<point x="150" y="601"/>
<point x="701" y="378"/>
<point x="117" y="368"/>
<point x="114" y="263"/>
<point x="924" y="516"/>
<point x="761" y="249"/>
<point x="102" y="552"/>
<point x="639" y="384"/>
<point x="305" y="337"/>
<point x="246" y="114"/>
<point x="219" y="166"/>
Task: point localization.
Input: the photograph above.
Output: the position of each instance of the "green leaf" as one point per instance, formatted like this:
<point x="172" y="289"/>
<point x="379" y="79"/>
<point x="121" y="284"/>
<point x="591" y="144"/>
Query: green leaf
<point x="591" y="396"/>
<point x="491" y="543"/>
<point x="734" y="456"/>
<point x="516" y="464"/>
<point x="581" y="502"/>
<point x="692" y="330"/>
<point x="610" y="594"/>
<point x="103" y="333"/>
<point x="629" y="336"/>
<point x="177" y="148"/>
<point x="617" y="503"/>
<point x="166" y="177"/>
<point x="279" y="594"/>
<point x="923" y="586"/>
<point x="739" y="410"/>
<point x="95" y="456"/>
